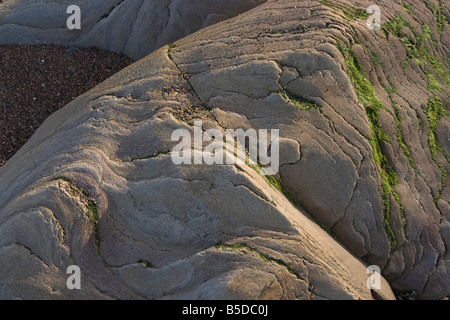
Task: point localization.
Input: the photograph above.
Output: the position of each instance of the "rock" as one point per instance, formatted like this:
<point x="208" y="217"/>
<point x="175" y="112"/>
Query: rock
<point x="133" y="27"/>
<point x="202" y="246"/>
<point x="213" y="232"/>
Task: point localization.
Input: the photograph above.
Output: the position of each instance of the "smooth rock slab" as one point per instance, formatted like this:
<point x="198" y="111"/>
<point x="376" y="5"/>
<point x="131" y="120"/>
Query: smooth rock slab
<point x="133" y="27"/>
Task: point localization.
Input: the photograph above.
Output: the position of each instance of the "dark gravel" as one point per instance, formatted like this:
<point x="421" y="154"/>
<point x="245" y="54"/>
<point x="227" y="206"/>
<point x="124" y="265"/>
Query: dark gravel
<point x="36" y="81"/>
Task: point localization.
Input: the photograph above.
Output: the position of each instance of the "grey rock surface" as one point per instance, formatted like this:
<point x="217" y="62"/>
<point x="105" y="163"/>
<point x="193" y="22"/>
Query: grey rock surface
<point x="200" y="246"/>
<point x="166" y="231"/>
<point x="133" y="27"/>
<point x="226" y="235"/>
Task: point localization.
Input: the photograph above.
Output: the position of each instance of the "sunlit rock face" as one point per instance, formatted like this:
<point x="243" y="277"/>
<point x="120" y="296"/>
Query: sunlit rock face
<point x="361" y="114"/>
<point x="133" y="27"/>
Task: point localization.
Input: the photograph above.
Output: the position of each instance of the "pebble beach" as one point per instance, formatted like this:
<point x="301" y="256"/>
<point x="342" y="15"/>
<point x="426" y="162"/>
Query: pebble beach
<point x="37" y="80"/>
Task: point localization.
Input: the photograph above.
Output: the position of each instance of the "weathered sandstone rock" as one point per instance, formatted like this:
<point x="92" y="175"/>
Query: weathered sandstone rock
<point x="133" y="27"/>
<point x="166" y="231"/>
